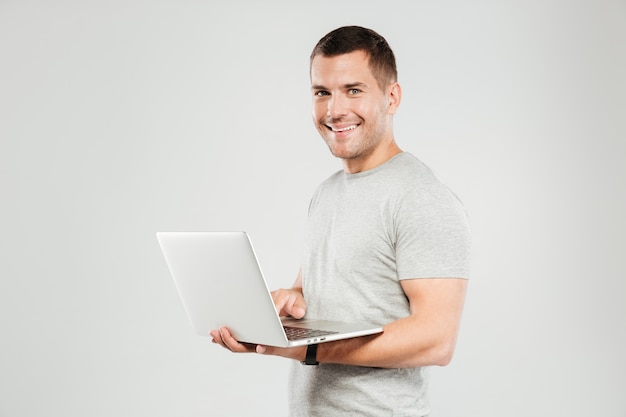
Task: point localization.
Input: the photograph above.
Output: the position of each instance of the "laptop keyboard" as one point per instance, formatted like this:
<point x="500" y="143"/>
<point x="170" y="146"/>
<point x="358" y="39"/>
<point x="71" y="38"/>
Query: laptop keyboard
<point x="297" y="333"/>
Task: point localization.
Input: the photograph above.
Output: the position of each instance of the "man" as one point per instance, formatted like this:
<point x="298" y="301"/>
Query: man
<point x="386" y="242"/>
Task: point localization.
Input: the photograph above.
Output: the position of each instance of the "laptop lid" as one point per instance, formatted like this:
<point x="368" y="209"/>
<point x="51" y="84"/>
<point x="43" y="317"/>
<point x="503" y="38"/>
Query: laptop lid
<point x="220" y="283"/>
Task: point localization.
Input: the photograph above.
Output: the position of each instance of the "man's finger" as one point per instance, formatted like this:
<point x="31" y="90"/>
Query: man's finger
<point x="232" y="344"/>
<point x="289" y="302"/>
<point x="224" y="340"/>
<point x="295" y="309"/>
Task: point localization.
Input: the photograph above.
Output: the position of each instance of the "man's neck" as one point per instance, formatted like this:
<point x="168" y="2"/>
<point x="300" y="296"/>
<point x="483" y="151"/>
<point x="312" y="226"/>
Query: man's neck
<point x="380" y="155"/>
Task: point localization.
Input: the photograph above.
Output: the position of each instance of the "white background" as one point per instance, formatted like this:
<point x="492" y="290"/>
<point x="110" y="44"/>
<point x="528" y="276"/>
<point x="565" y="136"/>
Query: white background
<point x="119" y="119"/>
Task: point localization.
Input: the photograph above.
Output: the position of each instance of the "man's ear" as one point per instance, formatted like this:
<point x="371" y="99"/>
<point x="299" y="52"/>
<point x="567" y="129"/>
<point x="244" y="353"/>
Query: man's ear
<point x="394" y="95"/>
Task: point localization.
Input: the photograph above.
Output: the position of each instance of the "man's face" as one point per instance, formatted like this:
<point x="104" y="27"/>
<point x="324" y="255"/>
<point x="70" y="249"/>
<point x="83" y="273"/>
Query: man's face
<point x="351" y="112"/>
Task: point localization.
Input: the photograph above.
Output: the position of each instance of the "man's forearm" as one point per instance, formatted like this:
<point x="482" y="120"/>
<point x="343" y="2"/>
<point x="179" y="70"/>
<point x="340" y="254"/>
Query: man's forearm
<point x="405" y="343"/>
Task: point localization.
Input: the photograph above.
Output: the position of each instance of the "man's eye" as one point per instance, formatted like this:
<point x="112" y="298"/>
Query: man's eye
<point x="353" y="91"/>
<point x="321" y="93"/>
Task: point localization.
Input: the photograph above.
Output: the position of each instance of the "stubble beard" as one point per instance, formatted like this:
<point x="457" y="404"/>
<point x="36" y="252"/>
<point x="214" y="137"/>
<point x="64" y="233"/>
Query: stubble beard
<point x="358" y="148"/>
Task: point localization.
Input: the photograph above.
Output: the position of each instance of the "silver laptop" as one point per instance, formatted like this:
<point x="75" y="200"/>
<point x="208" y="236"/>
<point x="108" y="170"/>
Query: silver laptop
<point x="220" y="283"/>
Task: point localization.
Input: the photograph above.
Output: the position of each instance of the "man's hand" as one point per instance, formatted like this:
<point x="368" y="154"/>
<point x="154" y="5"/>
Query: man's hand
<point x="224" y="338"/>
<point x="289" y="302"/>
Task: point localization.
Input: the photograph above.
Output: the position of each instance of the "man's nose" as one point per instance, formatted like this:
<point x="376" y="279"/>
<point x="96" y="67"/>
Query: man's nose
<point x="337" y="106"/>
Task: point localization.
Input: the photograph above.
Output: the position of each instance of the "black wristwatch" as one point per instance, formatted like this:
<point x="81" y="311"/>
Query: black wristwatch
<point x="311" y="355"/>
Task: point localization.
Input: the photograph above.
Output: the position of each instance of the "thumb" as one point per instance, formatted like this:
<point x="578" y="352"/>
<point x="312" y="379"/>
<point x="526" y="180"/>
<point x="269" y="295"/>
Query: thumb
<point x="262" y="350"/>
<point x="297" y="353"/>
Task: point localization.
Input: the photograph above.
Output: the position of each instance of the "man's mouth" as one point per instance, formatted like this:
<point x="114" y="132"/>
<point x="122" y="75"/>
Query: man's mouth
<point x="340" y="129"/>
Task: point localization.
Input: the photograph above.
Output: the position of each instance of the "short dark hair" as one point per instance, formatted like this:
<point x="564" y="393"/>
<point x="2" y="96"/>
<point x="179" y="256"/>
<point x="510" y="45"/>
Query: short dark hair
<point x="346" y="39"/>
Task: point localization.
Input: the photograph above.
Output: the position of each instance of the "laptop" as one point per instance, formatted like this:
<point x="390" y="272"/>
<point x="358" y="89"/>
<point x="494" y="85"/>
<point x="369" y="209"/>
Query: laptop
<point x="220" y="283"/>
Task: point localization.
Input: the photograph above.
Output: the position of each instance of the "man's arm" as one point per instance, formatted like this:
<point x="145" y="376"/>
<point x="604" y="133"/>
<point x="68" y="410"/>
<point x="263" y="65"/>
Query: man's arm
<point x="426" y="337"/>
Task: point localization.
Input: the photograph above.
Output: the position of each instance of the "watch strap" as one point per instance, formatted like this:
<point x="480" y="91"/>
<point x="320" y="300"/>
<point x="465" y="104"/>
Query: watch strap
<point x="311" y="355"/>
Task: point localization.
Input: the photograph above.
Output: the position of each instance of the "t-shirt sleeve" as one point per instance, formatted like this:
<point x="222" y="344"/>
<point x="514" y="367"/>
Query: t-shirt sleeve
<point x="432" y="234"/>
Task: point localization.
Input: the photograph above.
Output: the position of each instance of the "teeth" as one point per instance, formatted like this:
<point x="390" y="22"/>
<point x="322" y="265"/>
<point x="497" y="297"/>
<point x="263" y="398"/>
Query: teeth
<point x="345" y="129"/>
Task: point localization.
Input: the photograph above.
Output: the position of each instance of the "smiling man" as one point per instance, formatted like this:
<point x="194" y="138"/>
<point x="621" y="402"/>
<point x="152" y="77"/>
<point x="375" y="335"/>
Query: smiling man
<point x="353" y="111"/>
<point x="386" y="242"/>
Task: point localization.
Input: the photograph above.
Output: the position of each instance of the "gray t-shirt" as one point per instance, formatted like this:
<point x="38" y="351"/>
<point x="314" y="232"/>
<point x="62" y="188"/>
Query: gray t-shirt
<point x="366" y="232"/>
